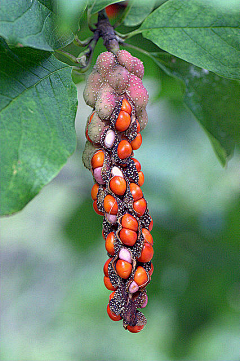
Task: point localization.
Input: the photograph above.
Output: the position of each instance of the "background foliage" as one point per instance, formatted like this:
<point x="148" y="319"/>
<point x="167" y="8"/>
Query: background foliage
<point x="52" y="289"/>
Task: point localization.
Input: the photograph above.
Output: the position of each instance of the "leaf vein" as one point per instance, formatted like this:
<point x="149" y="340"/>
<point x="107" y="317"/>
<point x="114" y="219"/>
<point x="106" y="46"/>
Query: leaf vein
<point x="207" y="51"/>
<point x="34" y="85"/>
<point x="238" y="49"/>
<point x="40" y="31"/>
<point x="19" y="17"/>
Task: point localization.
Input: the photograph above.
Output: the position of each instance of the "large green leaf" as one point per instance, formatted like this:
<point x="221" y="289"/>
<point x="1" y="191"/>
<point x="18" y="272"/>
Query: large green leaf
<point x="30" y="23"/>
<point x="199" y="33"/>
<point x="212" y="99"/>
<point x="138" y="11"/>
<point x="37" y="112"/>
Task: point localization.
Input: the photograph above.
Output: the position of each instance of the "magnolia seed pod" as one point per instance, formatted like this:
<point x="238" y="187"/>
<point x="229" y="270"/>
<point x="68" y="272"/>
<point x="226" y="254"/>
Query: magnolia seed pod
<point x="116" y="92"/>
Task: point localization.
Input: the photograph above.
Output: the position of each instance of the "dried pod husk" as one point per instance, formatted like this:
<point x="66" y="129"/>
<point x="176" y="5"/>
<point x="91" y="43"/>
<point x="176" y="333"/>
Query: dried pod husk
<point x="130" y="172"/>
<point x="131" y="132"/>
<point x="93" y="85"/>
<point x="142" y="117"/>
<point x="139" y="320"/>
<point x="88" y="153"/>
<point x="100" y="198"/>
<point x="108" y="227"/>
<point x="117" y="303"/>
<point x="115" y="280"/>
<point x="118" y="79"/>
<point x="126" y="59"/>
<point x="137" y="92"/>
<point x="95" y="128"/>
<point x="105" y="62"/>
<point x="106" y="101"/>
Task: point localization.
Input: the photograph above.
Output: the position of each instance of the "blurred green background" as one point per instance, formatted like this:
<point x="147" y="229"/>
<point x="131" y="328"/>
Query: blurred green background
<point x="53" y="297"/>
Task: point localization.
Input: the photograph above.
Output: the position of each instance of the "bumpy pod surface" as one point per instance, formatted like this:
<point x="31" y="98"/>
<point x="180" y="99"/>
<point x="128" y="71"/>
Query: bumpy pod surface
<point x="115" y="91"/>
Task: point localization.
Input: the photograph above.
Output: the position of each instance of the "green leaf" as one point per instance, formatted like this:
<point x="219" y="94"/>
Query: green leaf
<point x="138" y="11"/>
<point x="198" y="33"/>
<point x="30" y="23"/>
<point x="98" y="5"/>
<point x="212" y="99"/>
<point x="69" y="13"/>
<point x="37" y="112"/>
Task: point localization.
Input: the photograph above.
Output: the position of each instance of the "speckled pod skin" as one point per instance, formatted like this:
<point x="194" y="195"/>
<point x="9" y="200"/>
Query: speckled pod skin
<point x="115" y="91"/>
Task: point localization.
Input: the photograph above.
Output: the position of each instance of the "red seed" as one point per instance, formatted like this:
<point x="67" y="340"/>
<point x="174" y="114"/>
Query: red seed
<point x="137" y="164"/>
<point x="111" y="295"/>
<point x="147" y="253"/>
<point x="105" y="267"/>
<point x="135" y="329"/>
<point x="118" y="185"/>
<point x="150" y="225"/>
<point x="94" y="191"/>
<point x="151" y="270"/>
<point x="129" y="222"/>
<point x="96" y="209"/>
<point x="128" y="237"/>
<point x="123" y="268"/>
<point x="140" y="206"/>
<point x="123" y="121"/>
<point x="141" y="178"/>
<point x="110" y="205"/>
<point x="109" y="243"/>
<point x="138" y="126"/>
<point x="147" y="236"/>
<point x="112" y="315"/>
<point x="124" y="149"/>
<point x="108" y="284"/>
<point x="126" y="106"/>
<point x="98" y="159"/>
<point x="137" y="142"/>
<point x="140" y="276"/>
<point x="136" y="191"/>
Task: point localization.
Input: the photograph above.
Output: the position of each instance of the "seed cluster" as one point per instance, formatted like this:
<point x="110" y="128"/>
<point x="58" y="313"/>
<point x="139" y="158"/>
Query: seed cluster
<point x="115" y="91"/>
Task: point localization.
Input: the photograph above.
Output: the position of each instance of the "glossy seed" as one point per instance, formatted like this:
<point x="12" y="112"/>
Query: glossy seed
<point x="135" y="329"/>
<point x="133" y="287"/>
<point x="123" y="121"/>
<point x="109" y="243"/>
<point x="109" y="139"/>
<point x="126" y="106"/>
<point x="97" y="159"/>
<point x="116" y="172"/>
<point x="110" y="205"/>
<point x="123" y="268"/>
<point x="111" y="218"/>
<point x="128" y="237"/>
<point x="124" y="149"/>
<point x="118" y="185"/>
<point x="125" y="255"/>
<point x="129" y="222"/>
<point x="97" y="173"/>
<point x="94" y="191"/>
